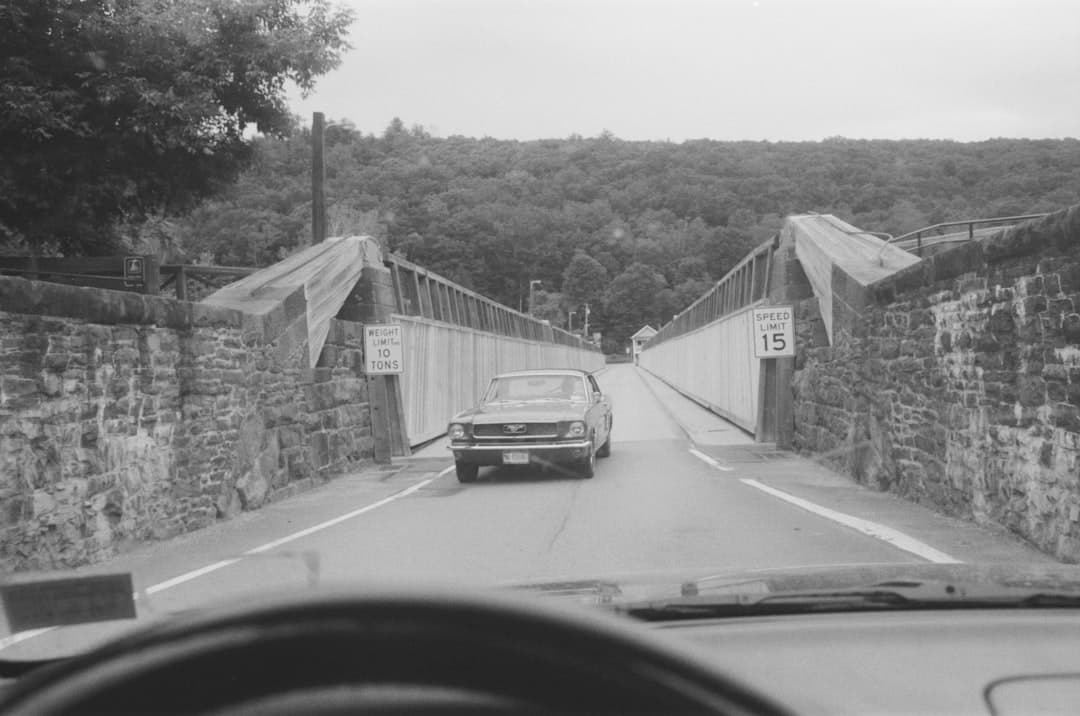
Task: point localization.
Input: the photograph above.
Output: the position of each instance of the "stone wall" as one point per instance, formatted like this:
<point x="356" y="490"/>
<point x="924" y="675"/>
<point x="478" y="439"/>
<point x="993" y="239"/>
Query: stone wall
<point x="956" y="382"/>
<point x="126" y="418"/>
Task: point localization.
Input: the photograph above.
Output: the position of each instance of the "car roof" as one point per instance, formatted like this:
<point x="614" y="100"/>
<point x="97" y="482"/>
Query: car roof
<point x="546" y="371"/>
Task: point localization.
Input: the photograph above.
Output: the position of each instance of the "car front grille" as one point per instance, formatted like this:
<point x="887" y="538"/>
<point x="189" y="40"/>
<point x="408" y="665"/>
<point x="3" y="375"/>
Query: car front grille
<point x="512" y="431"/>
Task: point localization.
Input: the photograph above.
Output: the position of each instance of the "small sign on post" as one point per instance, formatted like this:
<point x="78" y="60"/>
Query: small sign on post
<point x="383" y="352"/>
<point x="68" y="601"/>
<point x="134" y="271"/>
<point x="772" y="330"/>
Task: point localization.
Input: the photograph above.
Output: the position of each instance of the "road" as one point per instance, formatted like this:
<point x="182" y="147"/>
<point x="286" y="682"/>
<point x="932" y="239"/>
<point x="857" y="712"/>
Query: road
<point x="682" y="490"/>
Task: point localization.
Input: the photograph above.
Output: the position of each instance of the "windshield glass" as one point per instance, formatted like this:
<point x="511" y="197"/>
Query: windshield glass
<point x="798" y="280"/>
<point x="559" y="387"/>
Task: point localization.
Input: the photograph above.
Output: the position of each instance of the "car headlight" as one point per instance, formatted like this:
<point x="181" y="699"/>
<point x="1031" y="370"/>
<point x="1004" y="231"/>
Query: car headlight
<point x="456" y="431"/>
<point x="576" y="429"/>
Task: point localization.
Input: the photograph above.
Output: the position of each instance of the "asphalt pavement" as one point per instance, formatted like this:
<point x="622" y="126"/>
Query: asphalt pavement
<point x="683" y="489"/>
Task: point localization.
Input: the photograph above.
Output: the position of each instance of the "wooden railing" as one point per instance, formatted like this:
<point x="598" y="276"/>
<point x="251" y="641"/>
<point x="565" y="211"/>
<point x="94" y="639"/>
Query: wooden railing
<point x="183" y="280"/>
<point x="93" y="271"/>
<point x="179" y="276"/>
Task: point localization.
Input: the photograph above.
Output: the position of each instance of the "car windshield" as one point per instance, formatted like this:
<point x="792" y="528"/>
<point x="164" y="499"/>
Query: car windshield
<point x="621" y="302"/>
<point x="554" y="387"/>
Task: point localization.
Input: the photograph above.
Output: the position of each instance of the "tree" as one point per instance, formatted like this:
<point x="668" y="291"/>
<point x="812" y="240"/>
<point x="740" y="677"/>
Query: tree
<point x="584" y="280"/>
<point x="689" y="291"/>
<point x="690" y="268"/>
<point x="496" y="214"/>
<point x="905" y="216"/>
<point x="631" y="301"/>
<point x="119" y="108"/>
<point x="548" y="306"/>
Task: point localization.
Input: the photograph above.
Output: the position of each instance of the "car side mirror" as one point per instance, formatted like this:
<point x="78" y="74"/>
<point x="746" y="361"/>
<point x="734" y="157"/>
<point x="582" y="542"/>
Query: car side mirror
<point x="597" y="396"/>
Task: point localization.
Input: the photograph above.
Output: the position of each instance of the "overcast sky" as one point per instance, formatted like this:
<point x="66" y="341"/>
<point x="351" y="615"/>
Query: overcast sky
<point x="721" y="69"/>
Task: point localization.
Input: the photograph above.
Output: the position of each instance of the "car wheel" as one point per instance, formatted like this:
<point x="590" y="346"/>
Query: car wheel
<point x="588" y="465"/>
<point x="605" y="449"/>
<point x="466" y="472"/>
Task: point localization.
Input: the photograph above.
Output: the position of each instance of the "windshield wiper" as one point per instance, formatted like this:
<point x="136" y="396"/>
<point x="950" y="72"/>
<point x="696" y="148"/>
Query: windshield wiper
<point x="899" y="595"/>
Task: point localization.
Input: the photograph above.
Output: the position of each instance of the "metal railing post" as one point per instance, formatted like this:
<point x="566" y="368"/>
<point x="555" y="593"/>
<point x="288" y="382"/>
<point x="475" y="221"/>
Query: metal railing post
<point x="181" y="284"/>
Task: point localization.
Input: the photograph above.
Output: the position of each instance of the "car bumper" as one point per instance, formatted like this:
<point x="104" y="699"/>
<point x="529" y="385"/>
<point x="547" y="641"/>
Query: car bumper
<point x="540" y="453"/>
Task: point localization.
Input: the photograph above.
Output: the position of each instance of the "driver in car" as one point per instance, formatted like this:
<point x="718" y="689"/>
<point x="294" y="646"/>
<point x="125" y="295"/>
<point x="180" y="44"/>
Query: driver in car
<point x="572" y="388"/>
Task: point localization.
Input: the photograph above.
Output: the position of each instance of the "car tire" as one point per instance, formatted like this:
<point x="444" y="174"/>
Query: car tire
<point x="466" y="472"/>
<point x="587" y="468"/>
<point x="605" y="449"/>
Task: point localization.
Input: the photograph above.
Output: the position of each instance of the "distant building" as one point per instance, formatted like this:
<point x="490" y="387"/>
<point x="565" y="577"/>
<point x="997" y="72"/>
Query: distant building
<point x="640" y="338"/>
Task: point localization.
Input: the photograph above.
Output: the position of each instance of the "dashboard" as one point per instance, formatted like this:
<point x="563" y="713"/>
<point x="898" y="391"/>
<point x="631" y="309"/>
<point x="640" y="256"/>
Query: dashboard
<point x="417" y="652"/>
<point x="1004" y="662"/>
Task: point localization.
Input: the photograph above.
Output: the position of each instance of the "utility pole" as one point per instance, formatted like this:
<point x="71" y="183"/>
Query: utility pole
<point x="531" y="285"/>
<point x="586" y="331"/>
<point x="318" y="180"/>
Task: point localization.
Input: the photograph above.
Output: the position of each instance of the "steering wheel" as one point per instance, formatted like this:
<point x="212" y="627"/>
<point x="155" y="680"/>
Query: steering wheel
<point x="384" y="652"/>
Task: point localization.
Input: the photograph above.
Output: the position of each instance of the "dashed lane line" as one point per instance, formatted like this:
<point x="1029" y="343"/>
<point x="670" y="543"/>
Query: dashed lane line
<point x="707" y="459"/>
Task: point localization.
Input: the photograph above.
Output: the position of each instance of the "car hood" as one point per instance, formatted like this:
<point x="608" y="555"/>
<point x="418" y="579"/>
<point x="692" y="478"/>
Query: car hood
<point x="625" y="589"/>
<point x="547" y="411"/>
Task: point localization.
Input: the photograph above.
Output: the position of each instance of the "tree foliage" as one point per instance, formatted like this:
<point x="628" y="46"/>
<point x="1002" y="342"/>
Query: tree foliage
<point x="584" y="281"/>
<point x="578" y="213"/>
<point x="634" y="298"/>
<point x="121" y="108"/>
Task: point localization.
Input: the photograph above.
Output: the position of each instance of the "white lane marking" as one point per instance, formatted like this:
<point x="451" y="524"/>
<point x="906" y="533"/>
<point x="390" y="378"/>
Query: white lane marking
<point x="886" y="534"/>
<point x="187" y="577"/>
<point x="708" y="460"/>
<point x="347" y="516"/>
<point x="13" y="639"/>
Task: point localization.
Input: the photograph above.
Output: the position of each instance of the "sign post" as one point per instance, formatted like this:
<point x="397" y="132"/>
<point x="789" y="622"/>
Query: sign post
<point x="772" y="331"/>
<point x="383" y="362"/>
<point x="134" y="271"/>
<point x="383" y="354"/>
<point x="143" y="273"/>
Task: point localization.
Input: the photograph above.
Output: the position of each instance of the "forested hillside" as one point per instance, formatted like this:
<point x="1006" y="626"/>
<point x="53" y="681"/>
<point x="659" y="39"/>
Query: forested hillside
<point x="635" y="229"/>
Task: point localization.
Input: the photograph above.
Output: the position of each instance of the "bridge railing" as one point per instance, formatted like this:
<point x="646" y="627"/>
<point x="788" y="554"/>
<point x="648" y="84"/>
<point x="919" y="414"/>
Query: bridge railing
<point x="916" y="241"/>
<point x="742" y="286"/>
<point x="185" y="281"/>
<point x="456" y="340"/>
<point x="705" y="351"/>
<point x="423" y="293"/>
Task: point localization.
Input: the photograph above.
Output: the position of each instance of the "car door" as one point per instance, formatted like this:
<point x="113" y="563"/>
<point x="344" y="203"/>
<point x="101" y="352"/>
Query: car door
<point x="599" y="411"/>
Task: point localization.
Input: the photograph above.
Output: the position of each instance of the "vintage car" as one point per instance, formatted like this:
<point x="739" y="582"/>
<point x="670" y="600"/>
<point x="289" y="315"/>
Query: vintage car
<point x="539" y="417"/>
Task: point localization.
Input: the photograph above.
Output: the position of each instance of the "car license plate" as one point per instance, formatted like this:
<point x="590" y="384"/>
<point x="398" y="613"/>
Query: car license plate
<point x="515" y="457"/>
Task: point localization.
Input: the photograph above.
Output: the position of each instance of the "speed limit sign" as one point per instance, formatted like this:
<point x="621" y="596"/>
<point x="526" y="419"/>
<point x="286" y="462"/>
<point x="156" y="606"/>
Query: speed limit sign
<point x="772" y="330"/>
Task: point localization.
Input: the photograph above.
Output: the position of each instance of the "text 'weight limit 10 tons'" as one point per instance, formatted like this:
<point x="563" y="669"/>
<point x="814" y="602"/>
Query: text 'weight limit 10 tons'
<point x="772" y="330"/>
<point x="382" y="350"/>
